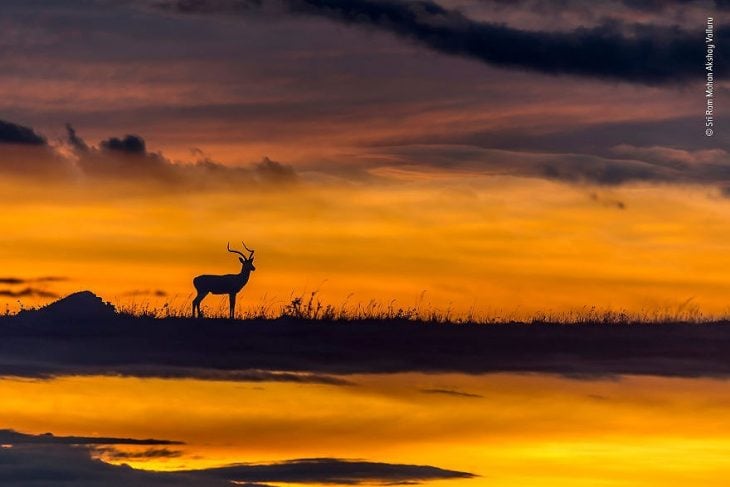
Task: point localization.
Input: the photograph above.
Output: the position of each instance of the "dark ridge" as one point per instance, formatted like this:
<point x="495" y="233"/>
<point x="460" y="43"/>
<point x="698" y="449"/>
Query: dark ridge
<point x="62" y="339"/>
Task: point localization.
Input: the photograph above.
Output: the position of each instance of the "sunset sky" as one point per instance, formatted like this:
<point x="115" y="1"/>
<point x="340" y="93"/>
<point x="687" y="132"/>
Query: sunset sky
<point x="487" y="159"/>
<point x="479" y="155"/>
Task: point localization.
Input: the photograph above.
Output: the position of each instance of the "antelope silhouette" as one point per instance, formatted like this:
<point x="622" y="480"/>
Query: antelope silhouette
<point x="229" y="284"/>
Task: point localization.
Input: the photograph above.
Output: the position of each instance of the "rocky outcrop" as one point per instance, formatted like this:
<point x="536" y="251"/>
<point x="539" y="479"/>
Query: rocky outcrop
<point x="83" y="305"/>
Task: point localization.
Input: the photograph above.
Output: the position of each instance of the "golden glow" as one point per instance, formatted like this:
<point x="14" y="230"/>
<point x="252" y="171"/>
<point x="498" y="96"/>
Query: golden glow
<point x="522" y="430"/>
<point x="494" y="245"/>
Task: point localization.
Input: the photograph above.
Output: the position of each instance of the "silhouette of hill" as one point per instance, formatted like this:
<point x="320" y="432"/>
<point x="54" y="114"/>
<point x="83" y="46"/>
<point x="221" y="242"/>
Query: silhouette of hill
<point x="83" y="305"/>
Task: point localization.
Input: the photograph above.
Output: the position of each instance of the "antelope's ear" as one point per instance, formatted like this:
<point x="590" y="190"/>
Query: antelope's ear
<point x="241" y="259"/>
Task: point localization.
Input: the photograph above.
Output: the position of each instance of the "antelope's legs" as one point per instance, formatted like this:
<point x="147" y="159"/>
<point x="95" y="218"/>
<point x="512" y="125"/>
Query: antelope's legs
<point x="196" y="303"/>
<point x="232" y="303"/>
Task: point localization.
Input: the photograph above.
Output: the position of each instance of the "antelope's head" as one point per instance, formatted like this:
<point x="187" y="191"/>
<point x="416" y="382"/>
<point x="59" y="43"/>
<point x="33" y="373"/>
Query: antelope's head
<point x="246" y="261"/>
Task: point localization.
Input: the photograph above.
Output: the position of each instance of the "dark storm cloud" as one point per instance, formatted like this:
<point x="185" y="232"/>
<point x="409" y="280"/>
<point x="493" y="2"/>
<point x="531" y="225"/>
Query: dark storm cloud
<point x="32" y="463"/>
<point x="643" y="54"/>
<point x="321" y="352"/>
<point x="11" y="133"/>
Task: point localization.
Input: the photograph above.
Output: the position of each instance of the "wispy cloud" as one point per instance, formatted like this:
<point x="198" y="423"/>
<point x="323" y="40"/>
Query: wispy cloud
<point x="450" y="392"/>
<point x="12" y="437"/>
<point x="623" y="164"/>
<point x="145" y="292"/>
<point x="115" y="454"/>
<point x="12" y="280"/>
<point x="27" y="292"/>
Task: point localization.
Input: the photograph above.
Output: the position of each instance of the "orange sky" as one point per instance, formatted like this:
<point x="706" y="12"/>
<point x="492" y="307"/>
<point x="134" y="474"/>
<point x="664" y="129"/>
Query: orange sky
<point x="495" y="245"/>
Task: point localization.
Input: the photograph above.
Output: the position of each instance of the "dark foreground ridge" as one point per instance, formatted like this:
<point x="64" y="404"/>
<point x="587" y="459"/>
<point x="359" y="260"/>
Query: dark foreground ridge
<point x="46" y="344"/>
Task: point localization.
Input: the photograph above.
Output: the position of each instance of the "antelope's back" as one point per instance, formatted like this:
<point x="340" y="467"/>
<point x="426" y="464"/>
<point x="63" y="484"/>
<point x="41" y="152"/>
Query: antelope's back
<point x="213" y="284"/>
